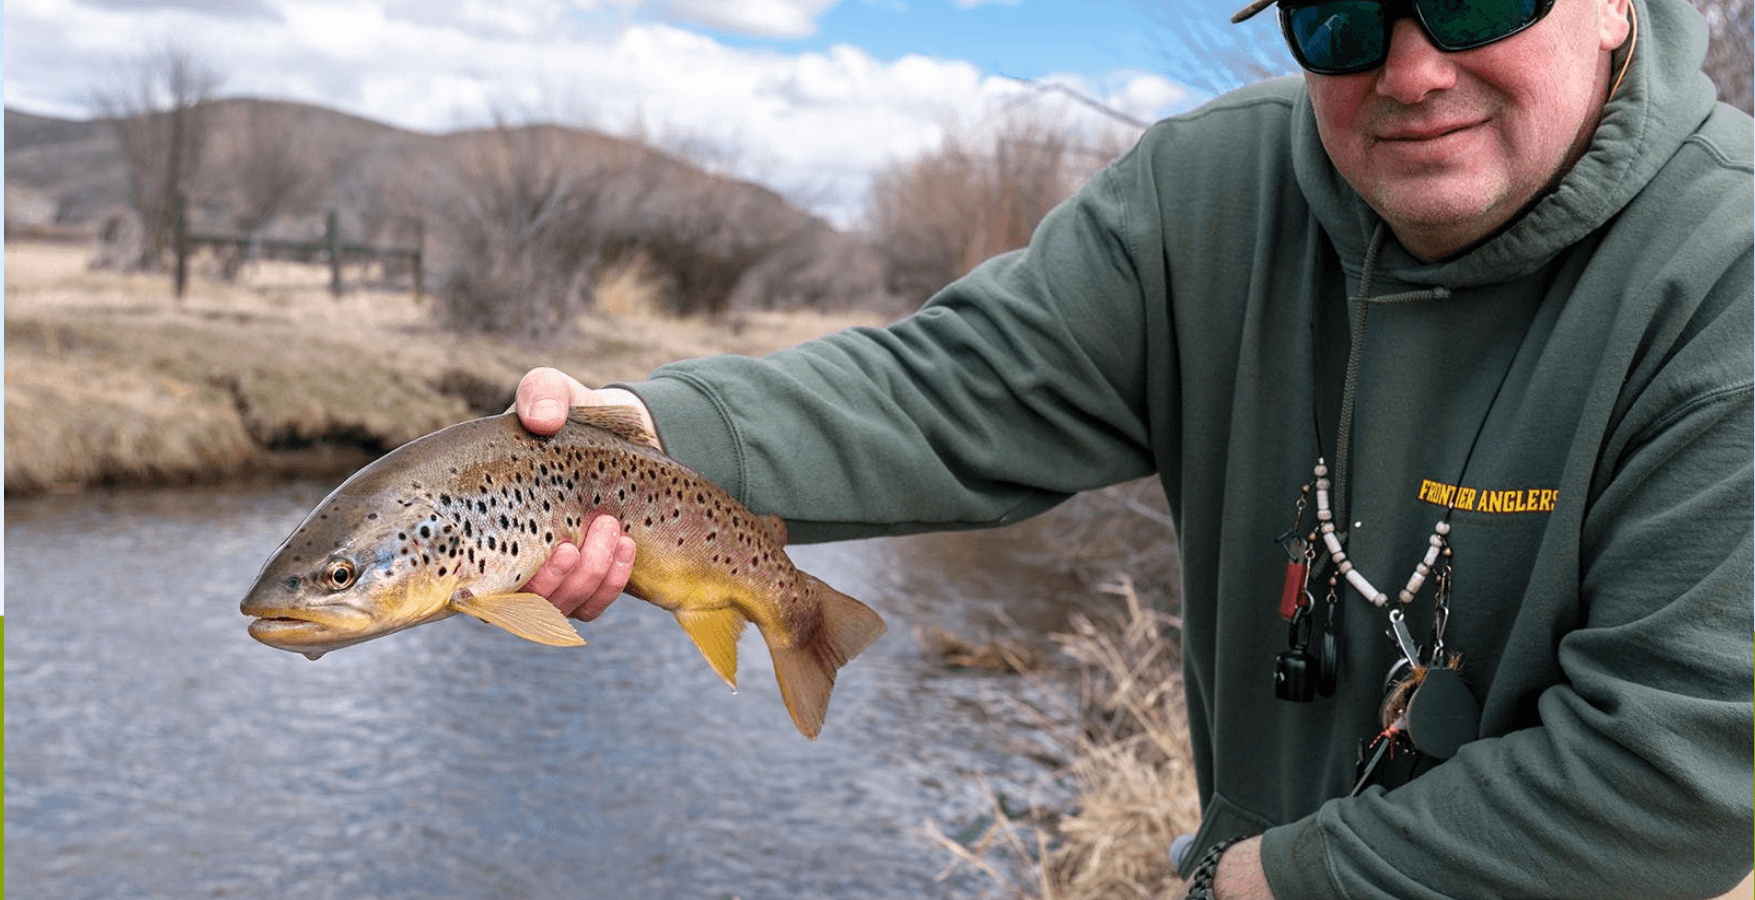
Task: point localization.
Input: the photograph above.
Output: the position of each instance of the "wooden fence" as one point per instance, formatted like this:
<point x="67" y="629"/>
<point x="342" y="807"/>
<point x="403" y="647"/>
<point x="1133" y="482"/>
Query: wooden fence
<point x="331" y="249"/>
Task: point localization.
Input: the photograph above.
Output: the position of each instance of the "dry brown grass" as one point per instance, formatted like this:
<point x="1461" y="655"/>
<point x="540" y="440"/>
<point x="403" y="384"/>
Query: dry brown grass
<point x="110" y="378"/>
<point x="1131" y="766"/>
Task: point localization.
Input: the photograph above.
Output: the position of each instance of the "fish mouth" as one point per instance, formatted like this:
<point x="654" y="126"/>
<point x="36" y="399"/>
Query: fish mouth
<point x="310" y="631"/>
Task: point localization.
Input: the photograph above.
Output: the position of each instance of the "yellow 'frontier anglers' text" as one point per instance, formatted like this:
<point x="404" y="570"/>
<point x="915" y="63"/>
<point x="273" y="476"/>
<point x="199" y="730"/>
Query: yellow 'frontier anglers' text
<point x="1477" y="500"/>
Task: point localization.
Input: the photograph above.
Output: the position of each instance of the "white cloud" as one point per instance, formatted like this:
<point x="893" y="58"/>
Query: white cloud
<point x="814" y="125"/>
<point x="770" y="18"/>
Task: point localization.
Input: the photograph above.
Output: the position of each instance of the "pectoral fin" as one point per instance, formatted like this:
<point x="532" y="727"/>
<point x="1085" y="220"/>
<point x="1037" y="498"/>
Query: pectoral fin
<point x="715" y="631"/>
<point x="528" y="616"/>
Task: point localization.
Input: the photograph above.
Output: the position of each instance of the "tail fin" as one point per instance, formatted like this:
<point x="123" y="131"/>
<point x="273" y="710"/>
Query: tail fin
<point x="806" y="672"/>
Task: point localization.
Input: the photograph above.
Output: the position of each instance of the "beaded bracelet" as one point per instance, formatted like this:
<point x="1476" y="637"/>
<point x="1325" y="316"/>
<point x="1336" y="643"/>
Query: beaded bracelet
<point x="1200" y="881"/>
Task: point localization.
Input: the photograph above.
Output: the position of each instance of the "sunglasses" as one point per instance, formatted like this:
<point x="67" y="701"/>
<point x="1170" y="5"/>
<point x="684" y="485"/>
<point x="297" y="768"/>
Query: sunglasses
<point x="1341" y="37"/>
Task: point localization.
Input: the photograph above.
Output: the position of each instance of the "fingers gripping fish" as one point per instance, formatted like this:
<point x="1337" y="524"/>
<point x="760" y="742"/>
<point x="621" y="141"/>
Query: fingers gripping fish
<point x="457" y="520"/>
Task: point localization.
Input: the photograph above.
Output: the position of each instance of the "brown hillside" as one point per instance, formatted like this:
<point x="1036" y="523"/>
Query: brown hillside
<point x="66" y="178"/>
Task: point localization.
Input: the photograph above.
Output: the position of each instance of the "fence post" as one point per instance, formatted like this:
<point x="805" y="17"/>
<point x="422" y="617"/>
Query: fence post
<point x="334" y="256"/>
<point x="181" y="236"/>
<point x="420" y="246"/>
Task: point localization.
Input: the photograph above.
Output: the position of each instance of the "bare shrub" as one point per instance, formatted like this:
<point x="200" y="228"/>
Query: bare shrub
<point x="158" y="107"/>
<point x="519" y="199"/>
<point x="542" y="212"/>
<point x="703" y="231"/>
<point x="979" y="194"/>
<point x="823" y="269"/>
<point x="263" y="165"/>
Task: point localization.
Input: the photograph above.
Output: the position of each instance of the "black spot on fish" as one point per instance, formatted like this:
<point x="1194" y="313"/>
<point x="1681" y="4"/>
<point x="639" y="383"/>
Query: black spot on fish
<point x="426" y="532"/>
<point x="490" y="542"/>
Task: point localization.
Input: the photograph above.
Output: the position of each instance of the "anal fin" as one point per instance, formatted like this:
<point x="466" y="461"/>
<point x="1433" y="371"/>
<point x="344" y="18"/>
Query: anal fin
<point x="715" y="632"/>
<point x="529" y="616"/>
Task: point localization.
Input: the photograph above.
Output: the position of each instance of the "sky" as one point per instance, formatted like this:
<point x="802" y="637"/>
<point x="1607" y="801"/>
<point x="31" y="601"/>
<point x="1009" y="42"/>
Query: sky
<point x="808" y="96"/>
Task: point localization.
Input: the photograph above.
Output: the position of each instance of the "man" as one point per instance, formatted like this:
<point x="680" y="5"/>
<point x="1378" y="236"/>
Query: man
<point x="1471" y="303"/>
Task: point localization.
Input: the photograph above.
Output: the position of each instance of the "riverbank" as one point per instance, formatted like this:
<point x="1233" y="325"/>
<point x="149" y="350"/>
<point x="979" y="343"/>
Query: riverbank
<point x="110" y="379"/>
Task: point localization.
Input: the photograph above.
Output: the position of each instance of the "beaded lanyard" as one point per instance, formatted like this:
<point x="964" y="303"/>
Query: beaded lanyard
<point x="1417" y="678"/>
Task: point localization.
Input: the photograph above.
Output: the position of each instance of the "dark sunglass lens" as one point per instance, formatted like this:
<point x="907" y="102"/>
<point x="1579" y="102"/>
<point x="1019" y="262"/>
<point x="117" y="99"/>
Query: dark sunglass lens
<point x="1461" y="24"/>
<point x="1338" y="36"/>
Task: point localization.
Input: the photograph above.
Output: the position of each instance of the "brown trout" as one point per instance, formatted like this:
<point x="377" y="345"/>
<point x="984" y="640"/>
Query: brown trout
<point x="457" y="520"/>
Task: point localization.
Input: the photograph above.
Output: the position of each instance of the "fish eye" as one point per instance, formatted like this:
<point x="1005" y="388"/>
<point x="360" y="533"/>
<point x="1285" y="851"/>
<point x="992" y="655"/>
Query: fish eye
<point x="339" y="574"/>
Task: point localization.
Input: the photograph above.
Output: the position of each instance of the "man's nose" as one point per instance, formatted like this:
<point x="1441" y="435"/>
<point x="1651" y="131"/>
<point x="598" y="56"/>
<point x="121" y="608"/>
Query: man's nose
<point x="1413" y="67"/>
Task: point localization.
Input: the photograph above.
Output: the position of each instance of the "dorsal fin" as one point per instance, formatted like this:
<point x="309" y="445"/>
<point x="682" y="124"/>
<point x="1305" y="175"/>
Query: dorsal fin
<point x="624" y="422"/>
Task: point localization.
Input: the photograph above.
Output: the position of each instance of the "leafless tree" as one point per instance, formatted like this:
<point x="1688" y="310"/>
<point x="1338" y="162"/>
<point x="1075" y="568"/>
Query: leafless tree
<point x="979" y="194"/>
<point x="158" y="107"/>
<point x="273" y="166"/>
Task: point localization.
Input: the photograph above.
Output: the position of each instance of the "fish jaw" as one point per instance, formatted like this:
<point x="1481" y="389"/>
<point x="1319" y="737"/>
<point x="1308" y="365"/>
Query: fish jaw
<point x="315" y="632"/>
<point x="288" y="619"/>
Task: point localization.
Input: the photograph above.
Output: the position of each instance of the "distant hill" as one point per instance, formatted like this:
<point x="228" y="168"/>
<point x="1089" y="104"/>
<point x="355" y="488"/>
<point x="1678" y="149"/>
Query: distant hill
<point x="359" y="167"/>
<point x="65" y="178"/>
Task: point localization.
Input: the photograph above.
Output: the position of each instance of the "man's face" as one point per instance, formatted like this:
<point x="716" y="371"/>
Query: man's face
<point x="1447" y="147"/>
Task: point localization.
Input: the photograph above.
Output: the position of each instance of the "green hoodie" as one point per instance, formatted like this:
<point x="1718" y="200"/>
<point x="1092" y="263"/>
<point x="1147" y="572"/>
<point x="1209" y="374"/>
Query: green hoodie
<point x="1579" y="386"/>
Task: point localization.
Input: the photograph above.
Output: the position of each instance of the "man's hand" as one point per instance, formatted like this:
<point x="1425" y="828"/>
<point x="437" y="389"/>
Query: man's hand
<point x="581" y="581"/>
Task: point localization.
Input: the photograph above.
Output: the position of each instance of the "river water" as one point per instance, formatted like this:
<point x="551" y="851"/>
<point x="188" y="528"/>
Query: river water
<point x="153" y="750"/>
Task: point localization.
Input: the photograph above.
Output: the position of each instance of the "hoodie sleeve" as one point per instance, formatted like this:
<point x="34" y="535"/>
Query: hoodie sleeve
<point x="1017" y="386"/>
